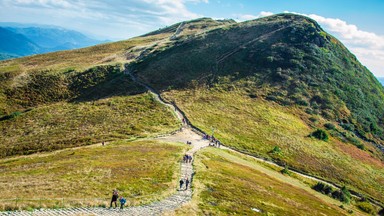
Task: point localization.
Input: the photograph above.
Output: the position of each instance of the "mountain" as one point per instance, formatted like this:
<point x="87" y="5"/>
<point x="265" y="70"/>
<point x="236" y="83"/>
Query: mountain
<point x="290" y="60"/>
<point x="381" y="80"/>
<point x="278" y="87"/>
<point x="14" y="44"/>
<point x="45" y="39"/>
<point x="54" y="39"/>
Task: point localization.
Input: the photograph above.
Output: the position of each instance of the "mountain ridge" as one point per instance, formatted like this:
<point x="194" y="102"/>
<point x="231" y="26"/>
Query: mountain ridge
<point x="44" y="39"/>
<point x="260" y="85"/>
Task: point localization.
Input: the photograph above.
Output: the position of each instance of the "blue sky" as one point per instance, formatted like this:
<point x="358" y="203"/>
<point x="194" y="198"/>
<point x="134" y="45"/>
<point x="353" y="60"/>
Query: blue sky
<point x="357" y="23"/>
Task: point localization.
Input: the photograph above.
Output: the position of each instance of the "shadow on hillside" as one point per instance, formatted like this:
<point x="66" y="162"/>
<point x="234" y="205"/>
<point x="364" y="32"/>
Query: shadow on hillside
<point x="102" y="82"/>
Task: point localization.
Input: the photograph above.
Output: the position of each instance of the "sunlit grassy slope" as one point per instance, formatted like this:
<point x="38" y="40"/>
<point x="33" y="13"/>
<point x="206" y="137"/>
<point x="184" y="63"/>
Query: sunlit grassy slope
<point x="62" y="125"/>
<point x="257" y="126"/>
<point x="227" y="184"/>
<point x="83" y="96"/>
<point x="141" y="170"/>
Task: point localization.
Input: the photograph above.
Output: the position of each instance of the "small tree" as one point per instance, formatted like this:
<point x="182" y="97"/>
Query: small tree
<point x="320" y="134"/>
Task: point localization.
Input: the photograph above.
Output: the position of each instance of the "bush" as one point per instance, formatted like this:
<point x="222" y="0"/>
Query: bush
<point x="276" y="150"/>
<point x="323" y="188"/>
<point x="313" y="119"/>
<point x="320" y="134"/>
<point x="343" y="195"/>
<point x="381" y="212"/>
<point x="366" y="207"/>
<point x="329" y="126"/>
<point x="285" y="171"/>
<point x="346" y="126"/>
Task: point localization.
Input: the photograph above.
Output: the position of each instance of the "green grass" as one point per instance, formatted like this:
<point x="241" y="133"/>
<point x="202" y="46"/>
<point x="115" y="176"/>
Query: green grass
<point x="142" y="171"/>
<point x="258" y="126"/>
<point x="228" y="184"/>
<point x="64" y="125"/>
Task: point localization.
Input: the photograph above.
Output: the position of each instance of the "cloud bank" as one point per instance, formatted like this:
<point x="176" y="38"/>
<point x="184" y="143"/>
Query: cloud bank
<point x="119" y="17"/>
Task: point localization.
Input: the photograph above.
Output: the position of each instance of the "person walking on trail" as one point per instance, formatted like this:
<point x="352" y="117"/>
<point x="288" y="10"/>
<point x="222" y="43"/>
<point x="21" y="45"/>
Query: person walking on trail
<point x="122" y="202"/>
<point x="186" y="183"/>
<point x="115" y="195"/>
<point x="181" y="183"/>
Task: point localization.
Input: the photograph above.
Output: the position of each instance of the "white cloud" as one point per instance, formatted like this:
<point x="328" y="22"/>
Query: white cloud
<point x="112" y="17"/>
<point x="244" y="17"/>
<point x="349" y="33"/>
<point x="367" y="46"/>
<point x="41" y="3"/>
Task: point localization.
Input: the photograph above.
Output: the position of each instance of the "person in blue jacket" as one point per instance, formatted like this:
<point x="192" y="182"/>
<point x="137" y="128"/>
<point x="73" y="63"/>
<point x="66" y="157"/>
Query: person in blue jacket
<point x="122" y="202"/>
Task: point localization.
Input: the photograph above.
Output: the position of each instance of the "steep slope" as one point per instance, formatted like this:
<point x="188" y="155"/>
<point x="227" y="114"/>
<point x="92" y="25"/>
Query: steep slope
<point x="43" y="97"/>
<point x="284" y="58"/>
<point x="260" y="85"/>
<point x="271" y="83"/>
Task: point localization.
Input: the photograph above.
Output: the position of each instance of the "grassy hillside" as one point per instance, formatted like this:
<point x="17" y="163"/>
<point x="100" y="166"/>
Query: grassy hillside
<point x="258" y="126"/>
<point x="228" y="184"/>
<point x="80" y="97"/>
<point x="141" y="170"/>
<point x="265" y="86"/>
<point x="62" y="125"/>
<point x="284" y="58"/>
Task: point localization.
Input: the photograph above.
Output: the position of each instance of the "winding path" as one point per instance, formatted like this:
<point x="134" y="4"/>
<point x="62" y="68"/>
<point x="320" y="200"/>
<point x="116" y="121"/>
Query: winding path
<point x="187" y="133"/>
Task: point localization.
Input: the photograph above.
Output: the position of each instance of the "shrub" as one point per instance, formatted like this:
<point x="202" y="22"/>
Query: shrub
<point x="347" y="126"/>
<point x="323" y="188"/>
<point x="285" y="171"/>
<point x="381" y="212"/>
<point x="313" y="119"/>
<point x="329" y="126"/>
<point x="366" y="207"/>
<point x="276" y="150"/>
<point x="343" y="195"/>
<point x="320" y="134"/>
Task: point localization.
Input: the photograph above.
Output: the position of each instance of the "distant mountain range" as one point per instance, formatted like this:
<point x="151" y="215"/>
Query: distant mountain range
<point x="381" y="80"/>
<point x="17" y="40"/>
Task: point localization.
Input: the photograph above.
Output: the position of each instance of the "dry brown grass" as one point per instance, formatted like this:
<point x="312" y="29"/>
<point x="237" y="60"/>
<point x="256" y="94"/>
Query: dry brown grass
<point x="142" y="171"/>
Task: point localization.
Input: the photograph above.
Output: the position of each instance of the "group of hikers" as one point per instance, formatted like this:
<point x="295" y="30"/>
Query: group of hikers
<point x="115" y="196"/>
<point x="182" y="182"/>
<point x="187" y="158"/>
<point x="212" y="141"/>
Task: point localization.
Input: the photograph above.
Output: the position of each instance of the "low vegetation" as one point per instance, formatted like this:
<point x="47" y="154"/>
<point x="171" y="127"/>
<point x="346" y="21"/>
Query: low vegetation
<point x="320" y="134"/>
<point x="64" y="125"/>
<point x="142" y="171"/>
<point x="258" y="126"/>
<point x="230" y="185"/>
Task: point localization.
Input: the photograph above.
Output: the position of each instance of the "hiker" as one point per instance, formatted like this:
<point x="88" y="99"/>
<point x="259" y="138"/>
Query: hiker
<point x="181" y="183"/>
<point x="218" y="143"/>
<point x="186" y="183"/>
<point x="115" y="195"/>
<point x="122" y="202"/>
<point x="102" y="143"/>
<point x="189" y="158"/>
